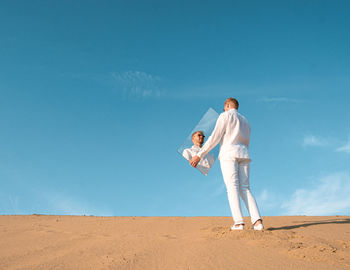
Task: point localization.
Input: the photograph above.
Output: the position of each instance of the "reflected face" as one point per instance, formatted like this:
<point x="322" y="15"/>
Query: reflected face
<point x="198" y="138"/>
<point x="227" y="106"/>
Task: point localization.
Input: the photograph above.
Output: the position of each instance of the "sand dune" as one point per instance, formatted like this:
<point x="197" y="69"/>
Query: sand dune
<point x="79" y="242"/>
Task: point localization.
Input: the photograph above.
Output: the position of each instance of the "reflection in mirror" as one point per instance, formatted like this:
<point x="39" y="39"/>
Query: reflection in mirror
<point x="196" y="139"/>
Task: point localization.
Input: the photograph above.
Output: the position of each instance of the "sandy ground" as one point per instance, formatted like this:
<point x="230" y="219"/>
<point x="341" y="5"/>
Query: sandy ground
<point x="83" y="242"/>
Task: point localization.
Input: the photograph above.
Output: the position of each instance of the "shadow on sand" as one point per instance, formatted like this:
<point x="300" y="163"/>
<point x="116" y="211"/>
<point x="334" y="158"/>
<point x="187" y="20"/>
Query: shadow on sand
<point x="332" y="221"/>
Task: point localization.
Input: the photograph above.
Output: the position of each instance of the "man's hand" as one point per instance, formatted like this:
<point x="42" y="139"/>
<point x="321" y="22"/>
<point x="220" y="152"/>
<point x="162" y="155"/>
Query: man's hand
<point x="194" y="161"/>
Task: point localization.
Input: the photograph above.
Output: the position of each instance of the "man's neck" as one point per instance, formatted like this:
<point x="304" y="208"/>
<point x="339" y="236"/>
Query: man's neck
<point x="230" y="109"/>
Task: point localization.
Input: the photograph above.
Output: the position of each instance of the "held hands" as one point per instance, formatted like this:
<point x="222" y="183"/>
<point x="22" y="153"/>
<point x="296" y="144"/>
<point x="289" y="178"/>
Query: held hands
<point x="194" y="161"/>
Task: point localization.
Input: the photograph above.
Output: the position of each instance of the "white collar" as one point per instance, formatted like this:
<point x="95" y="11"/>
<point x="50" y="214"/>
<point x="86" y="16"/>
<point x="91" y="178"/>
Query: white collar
<point x="195" y="147"/>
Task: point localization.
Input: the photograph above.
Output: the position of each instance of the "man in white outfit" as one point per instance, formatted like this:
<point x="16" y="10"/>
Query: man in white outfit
<point x="206" y="162"/>
<point x="232" y="130"/>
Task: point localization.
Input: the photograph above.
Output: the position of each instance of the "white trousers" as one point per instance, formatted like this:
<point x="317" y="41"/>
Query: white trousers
<point x="236" y="178"/>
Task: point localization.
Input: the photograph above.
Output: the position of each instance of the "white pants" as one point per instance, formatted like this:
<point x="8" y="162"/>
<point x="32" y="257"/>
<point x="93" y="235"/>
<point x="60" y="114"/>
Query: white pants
<point x="236" y="178"/>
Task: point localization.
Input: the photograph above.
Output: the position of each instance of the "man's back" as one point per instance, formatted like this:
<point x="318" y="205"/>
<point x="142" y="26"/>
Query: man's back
<point x="237" y="129"/>
<point x="232" y="130"/>
<point x="235" y="141"/>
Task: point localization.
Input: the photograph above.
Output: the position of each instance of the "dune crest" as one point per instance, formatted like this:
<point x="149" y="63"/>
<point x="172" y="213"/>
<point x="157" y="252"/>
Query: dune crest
<point x="81" y="242"/>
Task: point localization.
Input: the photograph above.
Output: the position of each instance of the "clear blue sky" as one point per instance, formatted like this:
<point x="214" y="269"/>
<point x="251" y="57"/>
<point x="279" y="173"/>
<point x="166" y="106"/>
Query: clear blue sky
<point x="97" y="96"/>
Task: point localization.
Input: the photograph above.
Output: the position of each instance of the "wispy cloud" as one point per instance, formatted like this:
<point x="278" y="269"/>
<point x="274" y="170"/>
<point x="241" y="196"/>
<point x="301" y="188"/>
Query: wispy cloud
<point x="266" y="198"/>
<point x="279" y="100"/>
<point x="61" y="203"/>
<point x="137" y="84"/>
<point x="46" y="201"/>
<point x="218" y="191"/>
<point x="312" y="140"/>
<point x="14" y="203"/>
<point x="318" y="141"/>
<point x="209" y="90"/>
<point x="270" y="201"/>
<point x="328" y="196"/>
<point x="10" y="203"/>
<point x="345" y="148"/>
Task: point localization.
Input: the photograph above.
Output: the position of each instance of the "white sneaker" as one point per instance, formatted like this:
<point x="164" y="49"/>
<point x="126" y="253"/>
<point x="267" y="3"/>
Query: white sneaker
<point x="258" y="227"/>
<point x="240" y="227"/>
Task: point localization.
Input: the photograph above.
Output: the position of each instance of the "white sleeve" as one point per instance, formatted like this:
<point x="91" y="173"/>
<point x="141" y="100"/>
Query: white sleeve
<point x="215" y="136"/>
<point x="211" y="159"/>
<point x="187" y="154"/>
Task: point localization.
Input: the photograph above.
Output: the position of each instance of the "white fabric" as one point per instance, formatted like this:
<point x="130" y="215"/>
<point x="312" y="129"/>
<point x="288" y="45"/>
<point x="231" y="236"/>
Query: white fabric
<point x="204" y="164"/>
<point x="236" y="178"/>
<point x="232" y="130"/>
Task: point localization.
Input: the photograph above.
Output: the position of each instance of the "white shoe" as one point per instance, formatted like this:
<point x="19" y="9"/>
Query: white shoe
<point x="240" y="227"/>
<point x="258" y="227"/>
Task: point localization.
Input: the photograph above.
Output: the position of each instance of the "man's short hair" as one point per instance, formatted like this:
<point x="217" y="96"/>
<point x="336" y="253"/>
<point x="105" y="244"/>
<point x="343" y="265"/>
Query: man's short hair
<point x="198" y="131"/>
<point x="233" y="101"/>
